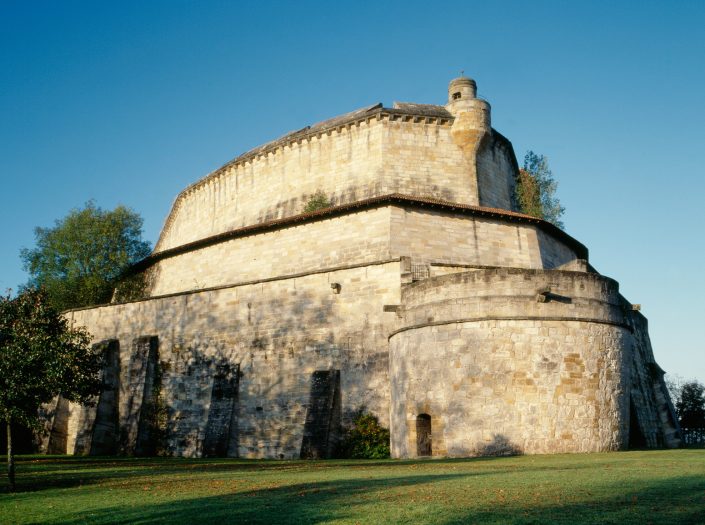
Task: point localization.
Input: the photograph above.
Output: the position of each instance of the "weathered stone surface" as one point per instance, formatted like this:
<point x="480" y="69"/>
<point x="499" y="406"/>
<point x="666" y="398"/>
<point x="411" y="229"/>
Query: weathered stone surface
<point x="322" y="427"/>
<point x="467" y="327"/>
<point x="222" y="412"/>
<point x="277" y="333"/>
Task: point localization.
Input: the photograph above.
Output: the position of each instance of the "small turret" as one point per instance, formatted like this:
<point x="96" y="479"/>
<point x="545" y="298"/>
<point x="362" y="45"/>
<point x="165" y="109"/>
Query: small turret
<point x="460" y="90"/>
<point x="472" y="114"/>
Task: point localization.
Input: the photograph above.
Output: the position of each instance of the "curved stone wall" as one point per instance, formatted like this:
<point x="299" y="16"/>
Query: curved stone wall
<point x="377" y="155"/>
<point x="432" y="236"/>
<point x="360" y="236"/>
<point x="511" y="360"/>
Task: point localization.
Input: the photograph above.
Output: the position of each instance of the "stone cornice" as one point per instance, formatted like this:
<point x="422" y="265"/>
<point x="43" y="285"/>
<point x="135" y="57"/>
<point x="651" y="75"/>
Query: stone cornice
<point x="335" y="125"/>
<point x="562" y="319"/>
<point x="394" y="199"/>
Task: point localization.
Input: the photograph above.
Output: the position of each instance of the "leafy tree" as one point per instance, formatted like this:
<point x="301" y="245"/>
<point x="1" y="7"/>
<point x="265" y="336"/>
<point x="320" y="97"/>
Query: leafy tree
<point x="41" y="356"/>
<point x="82" y="258"/>
<point x="318" y="201"/>
<point x="674" y="383"/>
<point x="690" y="405"/>
<point x="366" y="439"/>
<point x="535" y="191"/>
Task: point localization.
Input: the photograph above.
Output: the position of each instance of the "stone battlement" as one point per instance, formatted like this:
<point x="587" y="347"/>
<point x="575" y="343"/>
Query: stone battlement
<point x="410" y="148"/>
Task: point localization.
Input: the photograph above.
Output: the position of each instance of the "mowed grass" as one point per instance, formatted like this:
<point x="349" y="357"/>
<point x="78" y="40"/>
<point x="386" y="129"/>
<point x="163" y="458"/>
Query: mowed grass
<point x="626" y="487"/>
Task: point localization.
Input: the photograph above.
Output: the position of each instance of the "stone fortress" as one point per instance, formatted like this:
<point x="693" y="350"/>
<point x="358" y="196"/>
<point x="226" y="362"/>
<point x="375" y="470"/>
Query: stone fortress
<point x="421" y="295"/>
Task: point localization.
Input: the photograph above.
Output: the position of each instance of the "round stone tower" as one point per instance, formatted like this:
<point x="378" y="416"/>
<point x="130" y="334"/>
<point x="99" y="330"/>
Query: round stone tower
<point x="472" y="115"/>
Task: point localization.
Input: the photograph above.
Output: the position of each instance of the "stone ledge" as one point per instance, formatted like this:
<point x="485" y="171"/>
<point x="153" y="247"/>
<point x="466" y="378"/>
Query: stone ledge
<point x="406" y="201"/>
<point x="510" y="318"/>
<point x="243" y="283"/>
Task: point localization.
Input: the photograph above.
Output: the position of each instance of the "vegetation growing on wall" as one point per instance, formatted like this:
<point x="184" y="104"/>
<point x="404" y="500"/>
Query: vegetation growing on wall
<point x="535" y="190"/>
<point x="366" y="438"/>
<point x="317" y="201"/>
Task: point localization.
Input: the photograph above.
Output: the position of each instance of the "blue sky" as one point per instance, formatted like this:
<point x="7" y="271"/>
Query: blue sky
<point x="129" y="102"/>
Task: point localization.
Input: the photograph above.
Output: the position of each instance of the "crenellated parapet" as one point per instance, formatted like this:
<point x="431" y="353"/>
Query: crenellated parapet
<point x="422" y="150"/>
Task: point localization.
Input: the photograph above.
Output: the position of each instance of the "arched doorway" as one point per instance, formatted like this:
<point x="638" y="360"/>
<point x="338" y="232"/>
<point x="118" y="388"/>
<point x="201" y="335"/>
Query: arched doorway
<point x="423" y="435"/>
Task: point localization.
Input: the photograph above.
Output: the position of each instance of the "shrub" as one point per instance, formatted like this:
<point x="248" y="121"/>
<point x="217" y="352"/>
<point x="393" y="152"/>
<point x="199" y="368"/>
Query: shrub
<point x="318" y="201"/>
<point x="366" y="438"/>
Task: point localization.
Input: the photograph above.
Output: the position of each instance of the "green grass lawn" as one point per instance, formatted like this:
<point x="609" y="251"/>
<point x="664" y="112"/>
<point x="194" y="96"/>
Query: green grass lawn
<point x="625" y="487"/>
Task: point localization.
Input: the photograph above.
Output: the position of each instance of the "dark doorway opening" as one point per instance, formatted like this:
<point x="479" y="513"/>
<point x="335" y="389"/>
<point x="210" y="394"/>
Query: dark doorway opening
<point x="423" y="435"/>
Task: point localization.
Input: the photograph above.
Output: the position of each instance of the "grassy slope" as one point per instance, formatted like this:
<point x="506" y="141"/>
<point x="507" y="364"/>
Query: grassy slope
<point x="627" y="487"/>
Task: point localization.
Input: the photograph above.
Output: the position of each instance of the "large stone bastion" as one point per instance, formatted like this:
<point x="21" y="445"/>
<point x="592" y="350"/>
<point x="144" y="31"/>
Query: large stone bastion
<point x="497" y="361"/>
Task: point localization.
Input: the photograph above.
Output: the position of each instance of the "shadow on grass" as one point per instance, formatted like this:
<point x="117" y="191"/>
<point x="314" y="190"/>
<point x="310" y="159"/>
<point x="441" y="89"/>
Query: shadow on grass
<point x="677" y="500"/>
<point x="39" y="472"/>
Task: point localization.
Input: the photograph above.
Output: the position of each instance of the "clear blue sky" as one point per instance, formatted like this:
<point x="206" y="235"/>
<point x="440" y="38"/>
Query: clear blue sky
<point x="128" y="102"/>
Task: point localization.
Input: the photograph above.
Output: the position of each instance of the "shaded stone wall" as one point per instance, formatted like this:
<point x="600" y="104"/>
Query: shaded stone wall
<point x="273" y="336"/>
<point x="522" y="360"/>
<point x="553" y="252"/>
<point x="98" y="427"/>
<point x="656" y="423"/>
<point x="222" y="413"/>
<point x="496" y="175"/>
<point x="322" y="426"/>
<point x="357" y="238"/>
<point x="104" y="440"/>
<point x="58" y="414"/>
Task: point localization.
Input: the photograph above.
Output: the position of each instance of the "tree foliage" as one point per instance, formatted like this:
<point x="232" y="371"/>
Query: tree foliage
<point x="41" y="356"/>
<point x="674" y="383"/>
<point x="366" y="439"/>
<point x="535" y="190"/>
<point x="82" y="258"/>
<point x="318" y="201"/>
<point x="690" y="405"/>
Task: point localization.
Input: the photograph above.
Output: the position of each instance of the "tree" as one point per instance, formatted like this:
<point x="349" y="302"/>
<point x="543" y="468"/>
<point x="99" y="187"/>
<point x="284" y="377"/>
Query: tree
<point x="41" y="356"/>
<point x="535" y="190"/>
<point x="674" y="384"/>
<point x="690" y="405"/>
<point x="83" y="258"/>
